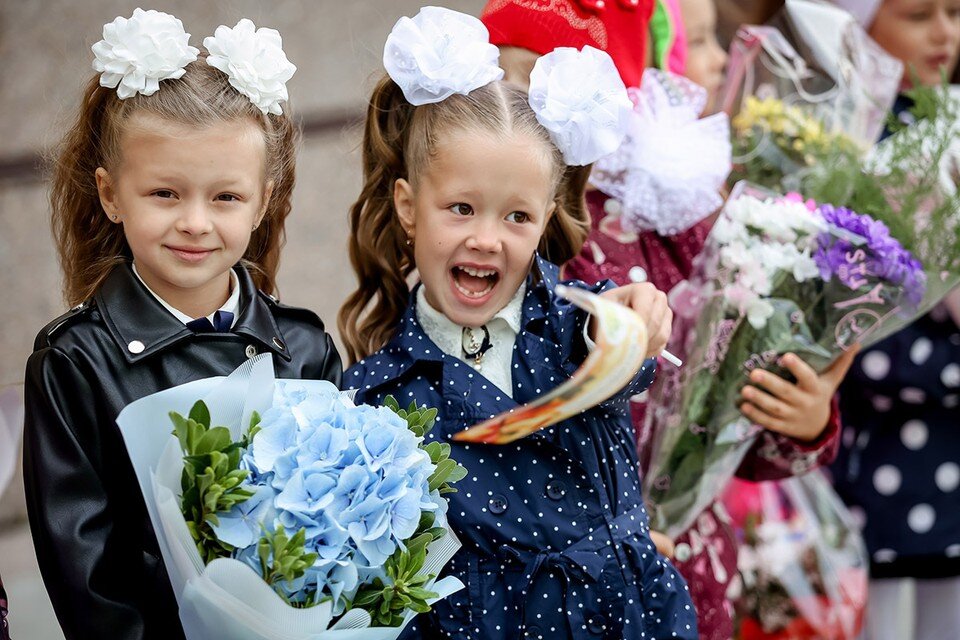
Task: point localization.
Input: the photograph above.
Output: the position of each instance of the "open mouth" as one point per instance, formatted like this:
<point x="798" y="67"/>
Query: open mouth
<point x="474" y="282"/>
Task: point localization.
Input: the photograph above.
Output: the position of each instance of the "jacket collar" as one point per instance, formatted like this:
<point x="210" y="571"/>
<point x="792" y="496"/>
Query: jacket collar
<point x="140" y="325"/>
<point x="410" y="344"/>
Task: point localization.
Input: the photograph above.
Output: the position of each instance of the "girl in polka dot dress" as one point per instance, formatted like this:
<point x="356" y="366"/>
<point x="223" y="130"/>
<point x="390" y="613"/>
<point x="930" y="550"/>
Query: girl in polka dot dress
<point x="473" y="193"/>
<point x="898" y="463"/>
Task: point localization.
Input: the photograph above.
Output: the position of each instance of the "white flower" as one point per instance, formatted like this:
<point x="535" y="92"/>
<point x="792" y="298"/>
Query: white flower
<point x="440" y="52"/>
<point x="579" y="98"/>
<point x="758" y="312"/>
<point x="136" y="53"/>
<point x="254" y="61"/>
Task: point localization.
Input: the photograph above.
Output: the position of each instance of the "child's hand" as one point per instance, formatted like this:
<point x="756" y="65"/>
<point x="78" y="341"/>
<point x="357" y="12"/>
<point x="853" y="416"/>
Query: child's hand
<point x="650" y="304"/>
<point x="800" y="410"/>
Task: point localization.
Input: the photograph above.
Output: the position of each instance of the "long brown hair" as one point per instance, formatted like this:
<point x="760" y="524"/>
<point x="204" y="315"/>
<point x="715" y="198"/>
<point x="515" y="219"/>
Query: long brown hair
<point x="398" y="142"/>
<point x="88" y="244"/>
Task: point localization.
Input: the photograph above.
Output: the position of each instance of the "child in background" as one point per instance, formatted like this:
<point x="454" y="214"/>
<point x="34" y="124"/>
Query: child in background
<point x="474" y="187"/>
<point x="169" y="199"/>
<point x="897" y="467"/>
<point x="707" y="555"/>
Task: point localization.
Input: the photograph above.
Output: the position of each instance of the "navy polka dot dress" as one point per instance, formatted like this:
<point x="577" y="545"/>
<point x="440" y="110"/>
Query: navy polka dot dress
<point x="555" y="535"/>
<point x="899" y="463"/>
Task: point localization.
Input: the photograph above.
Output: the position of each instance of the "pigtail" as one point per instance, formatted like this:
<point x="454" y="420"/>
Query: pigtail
<point x="568" y="227"/>
<point x="88" y="244"/>
<point x="378" y="247"/>
<point x="262" y="258"/>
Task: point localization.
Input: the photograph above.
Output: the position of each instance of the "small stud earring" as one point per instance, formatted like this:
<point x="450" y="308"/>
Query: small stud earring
<point x="409" y="242"/>
<point x="115" y="217"/>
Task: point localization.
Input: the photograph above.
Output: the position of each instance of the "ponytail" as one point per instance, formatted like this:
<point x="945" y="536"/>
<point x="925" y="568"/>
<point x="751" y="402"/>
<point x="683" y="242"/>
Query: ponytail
<point x="378" y="247"/>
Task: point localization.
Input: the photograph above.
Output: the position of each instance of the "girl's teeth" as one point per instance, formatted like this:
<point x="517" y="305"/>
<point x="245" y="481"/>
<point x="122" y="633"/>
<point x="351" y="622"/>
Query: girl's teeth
<point x="473" y="294"/>
<point x="478" y="273"/>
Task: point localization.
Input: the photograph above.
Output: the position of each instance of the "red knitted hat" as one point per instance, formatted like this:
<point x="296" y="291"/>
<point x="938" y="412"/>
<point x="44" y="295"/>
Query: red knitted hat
<point x="618" y="27"/>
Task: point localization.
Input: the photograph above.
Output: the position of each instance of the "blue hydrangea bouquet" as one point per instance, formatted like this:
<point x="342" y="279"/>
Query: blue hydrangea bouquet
<point x="778" y="274"/>
<point x="284" y="511"/>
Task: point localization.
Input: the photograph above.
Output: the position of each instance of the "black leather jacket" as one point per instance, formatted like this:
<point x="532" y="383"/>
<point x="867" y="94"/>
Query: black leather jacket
<point x="95" y="545"/>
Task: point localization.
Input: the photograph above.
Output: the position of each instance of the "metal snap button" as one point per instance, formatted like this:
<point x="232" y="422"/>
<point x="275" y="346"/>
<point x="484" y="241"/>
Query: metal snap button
<point x="135" y="346"/>
<point x="250" y="351"/>
<point x="497" y="505"/>
<point x="278" y="343"/>
<point x="556" y="489"/>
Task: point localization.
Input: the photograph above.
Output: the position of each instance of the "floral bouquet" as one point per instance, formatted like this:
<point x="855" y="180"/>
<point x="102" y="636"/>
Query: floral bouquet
<point x="777" y="275"/>
<point x="302" y="516"/>
<point x="814" y="84"/>
<point x="802" y="562"/>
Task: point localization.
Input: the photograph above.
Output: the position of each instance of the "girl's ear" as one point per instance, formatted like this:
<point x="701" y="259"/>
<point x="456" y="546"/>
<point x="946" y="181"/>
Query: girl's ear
<point x="108" y="195"/>
<point x="267" y="192"/>
<point x="403" y="204"/>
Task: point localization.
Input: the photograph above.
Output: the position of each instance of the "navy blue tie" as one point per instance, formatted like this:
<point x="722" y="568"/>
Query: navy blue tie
<point x="222" y="321"/>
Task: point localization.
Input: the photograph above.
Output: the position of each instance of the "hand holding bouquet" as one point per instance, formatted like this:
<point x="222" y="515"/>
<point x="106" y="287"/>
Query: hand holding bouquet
<point x="777" y="275"/>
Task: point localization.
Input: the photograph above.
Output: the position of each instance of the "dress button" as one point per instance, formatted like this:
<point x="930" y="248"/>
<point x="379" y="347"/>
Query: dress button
<point x="497" y="505"/>
<point x="556" y="490"/>
<point x="250" y="351"/>
<point x="637" y="274"/>
<point x="682" y="552"/>
<point x="612" y="207"/>
<point x="135" y="347"/>
<point x="597" y="624"/>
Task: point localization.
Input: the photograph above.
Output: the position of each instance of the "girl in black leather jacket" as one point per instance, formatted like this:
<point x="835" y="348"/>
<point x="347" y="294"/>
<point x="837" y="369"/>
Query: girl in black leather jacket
<point x="168" y="214"/>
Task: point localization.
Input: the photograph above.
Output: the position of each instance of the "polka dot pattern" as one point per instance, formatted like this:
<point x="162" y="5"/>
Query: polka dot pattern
<point x="901" y="469"/>
<point x="556" y="538"/>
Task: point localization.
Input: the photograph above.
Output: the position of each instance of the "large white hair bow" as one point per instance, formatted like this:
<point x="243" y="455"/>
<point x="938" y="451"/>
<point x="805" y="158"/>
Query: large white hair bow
<point x="668" y="173"/>
<point x="579" y="98"/>
<point x="440" y="52"/>
<point x="136" y="53"/>
<point x="254" y="61"/>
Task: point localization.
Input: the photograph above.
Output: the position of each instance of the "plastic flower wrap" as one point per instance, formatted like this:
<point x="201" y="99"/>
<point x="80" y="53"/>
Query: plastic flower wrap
<point x="777" y="275"/>
<point x="811" y="85"/>
<point x="303" y="516"/>
<point x="802" y="561"/>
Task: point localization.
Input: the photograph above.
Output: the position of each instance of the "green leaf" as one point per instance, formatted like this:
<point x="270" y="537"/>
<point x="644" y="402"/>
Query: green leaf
<point x="200" y="414"/>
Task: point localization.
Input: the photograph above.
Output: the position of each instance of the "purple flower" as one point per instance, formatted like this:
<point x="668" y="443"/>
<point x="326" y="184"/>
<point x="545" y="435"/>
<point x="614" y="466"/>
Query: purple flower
<point x="867" y="256"/>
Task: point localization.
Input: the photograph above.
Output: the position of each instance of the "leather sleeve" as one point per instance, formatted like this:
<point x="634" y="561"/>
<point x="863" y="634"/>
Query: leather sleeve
<point x="332" y="369"/>
<point x="93" y="585"/>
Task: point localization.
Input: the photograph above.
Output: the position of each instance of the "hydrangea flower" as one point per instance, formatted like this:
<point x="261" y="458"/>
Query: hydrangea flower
<point x="353" y="477"/>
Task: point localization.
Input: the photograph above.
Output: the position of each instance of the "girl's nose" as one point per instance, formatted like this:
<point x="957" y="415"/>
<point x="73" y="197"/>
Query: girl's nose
<point x="194" y="219"/>
<point x="485" y="237"/>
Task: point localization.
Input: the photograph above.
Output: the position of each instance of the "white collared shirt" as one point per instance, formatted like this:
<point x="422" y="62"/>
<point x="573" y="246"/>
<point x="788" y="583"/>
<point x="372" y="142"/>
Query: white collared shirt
<point x="232" y="304"/>
<point x="503" y="329"/>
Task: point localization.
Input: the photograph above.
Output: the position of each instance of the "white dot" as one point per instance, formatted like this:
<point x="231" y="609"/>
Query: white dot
<point x="950" y="375"/>
<point x="884" y="555"/>
<point x="912" y="395"/>
<point x="921" y="350"/>
<point x="914" y="434"/>
<point x="637" y="274"/>
<point x="859" y="516"/>
<point x="876" y="365"/>
<point x="849" y="435"/>
<point x="921" y="518"/>
<point x="881" y="404"/>
<point x="887" y="479"/>
<point x="947" y="476"/>
<point x="953" y="551"/>
<point x="950" y="401"/>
